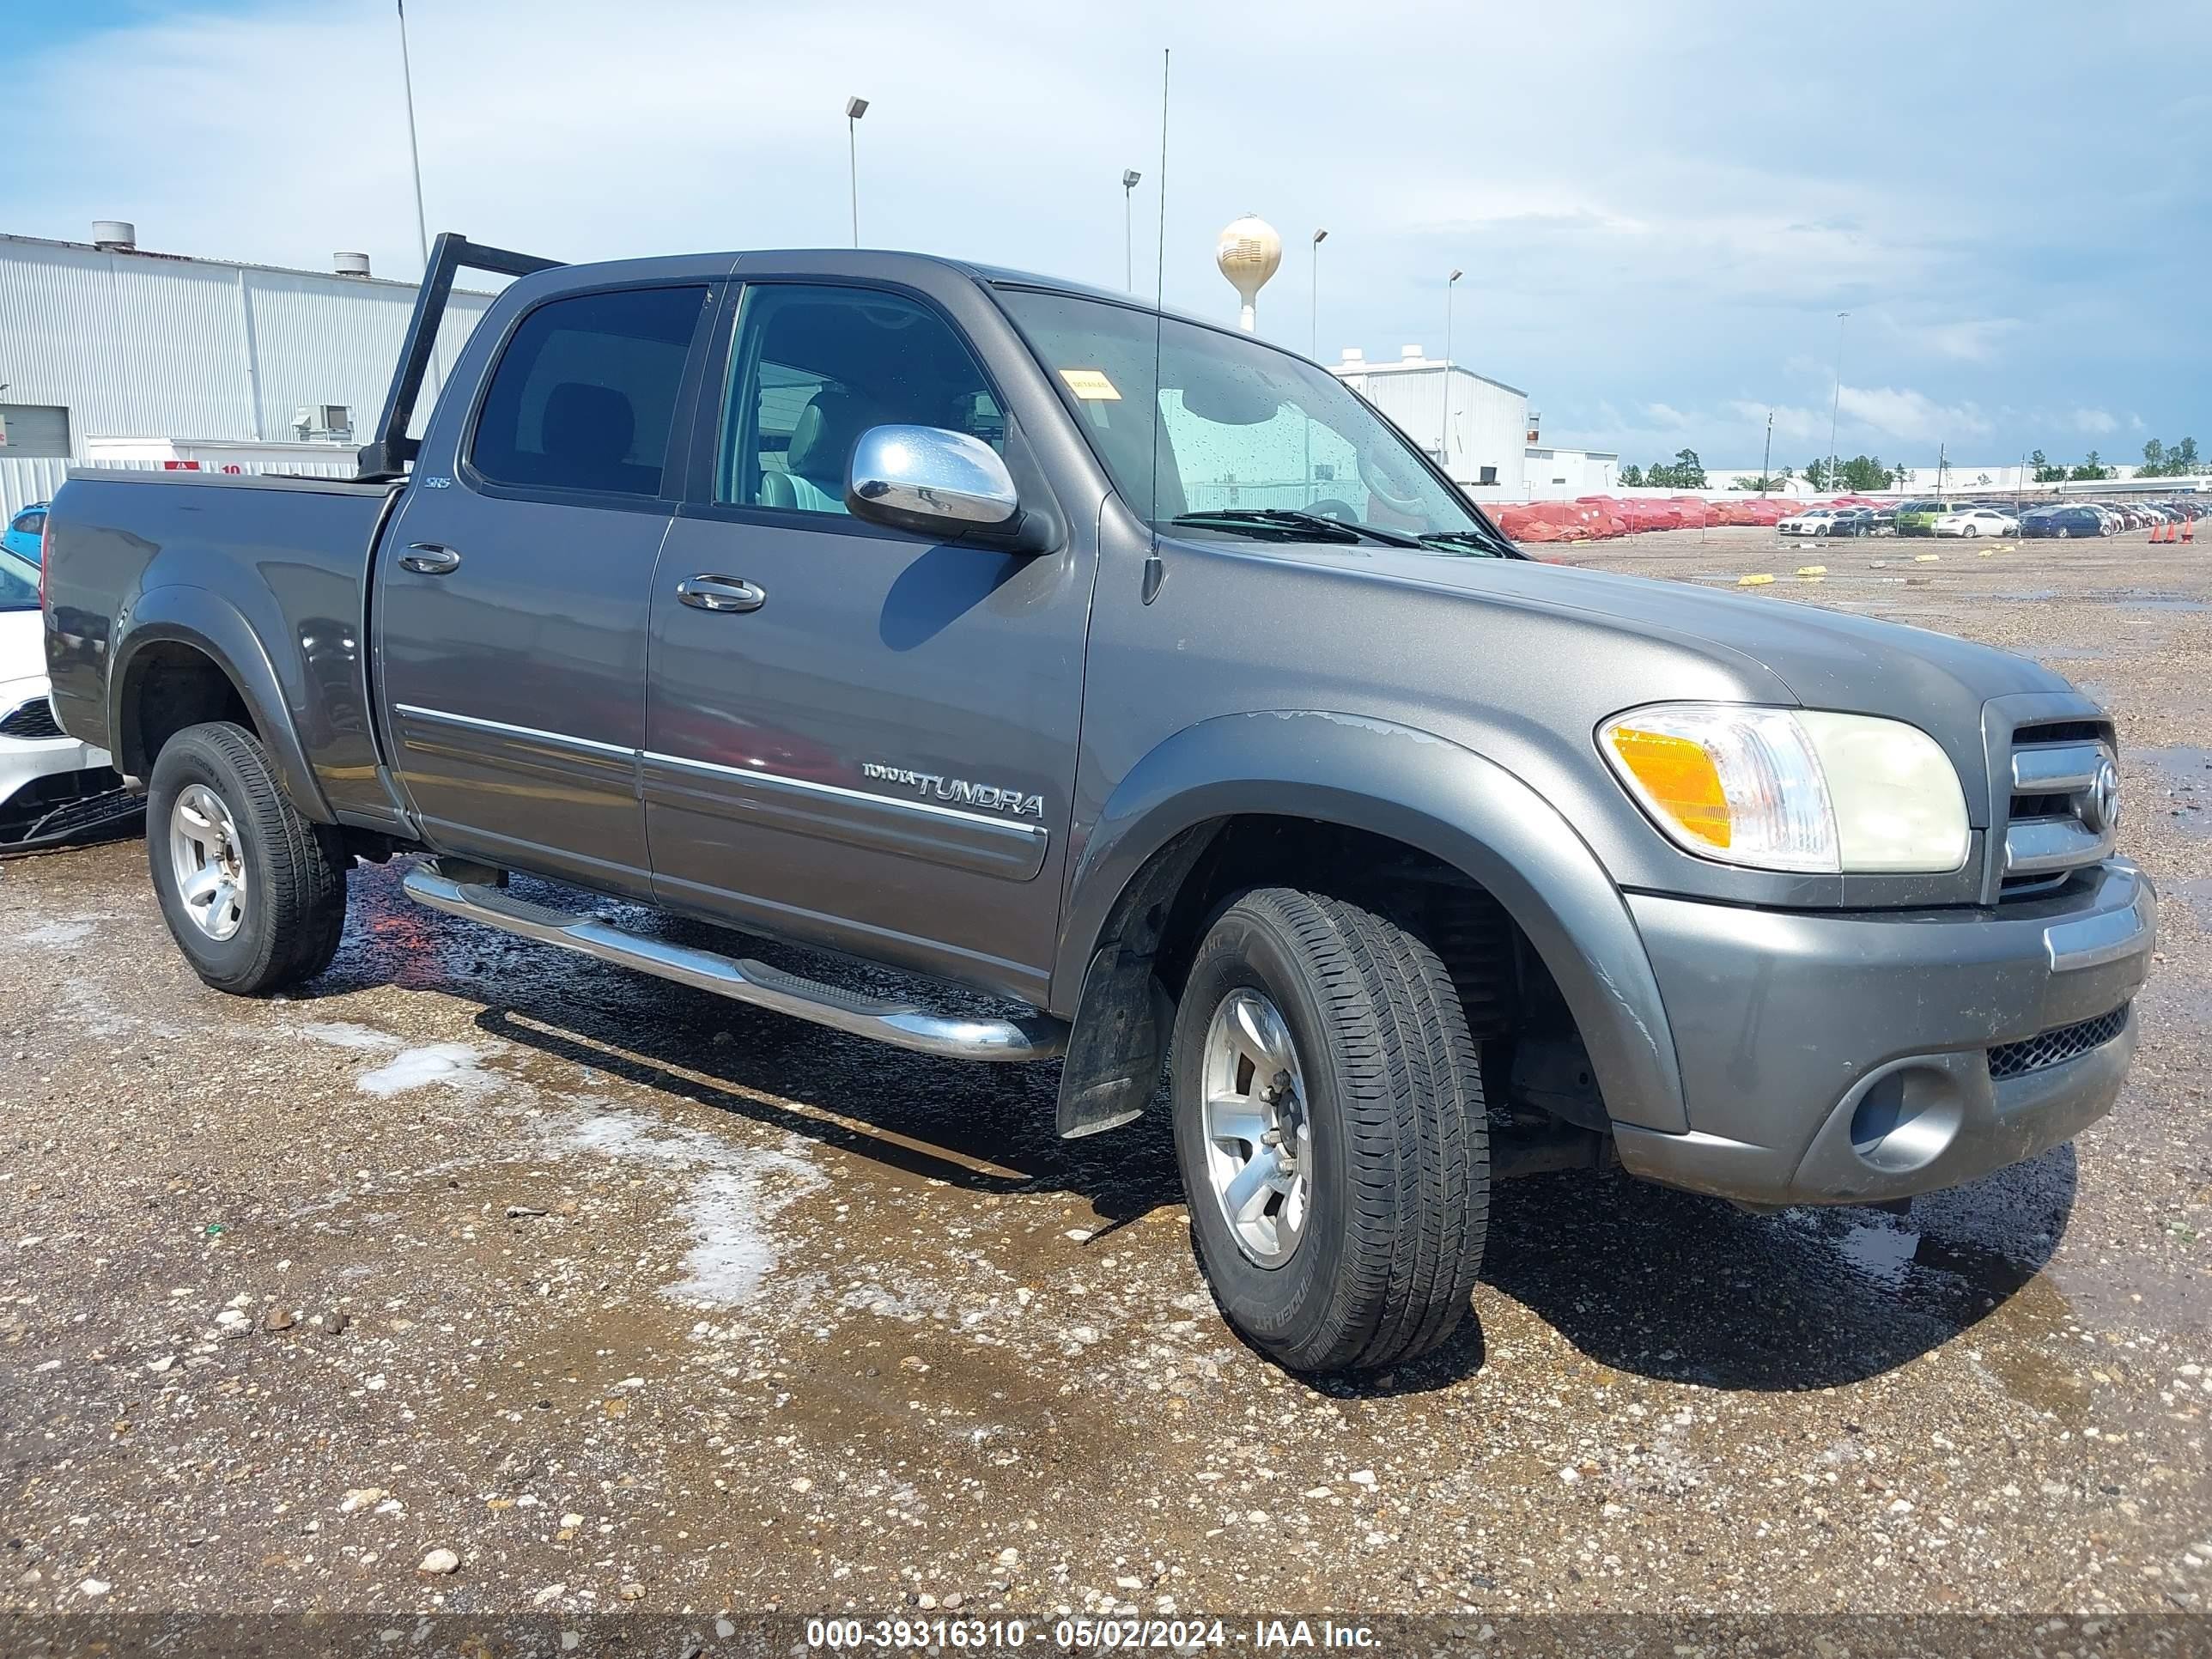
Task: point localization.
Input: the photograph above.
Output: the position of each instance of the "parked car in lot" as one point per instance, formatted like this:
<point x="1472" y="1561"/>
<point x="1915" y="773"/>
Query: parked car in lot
<point x="1762" y="900"/>
<point x="1813" y="521"/>
<point x="1854" y="521"/>
<point x="53" y="787"/>
<point x="1975" y="521"/>
<point x="24" y="532"/>
<point x="1918" y="518"/>
<point x="2064" y="522"/>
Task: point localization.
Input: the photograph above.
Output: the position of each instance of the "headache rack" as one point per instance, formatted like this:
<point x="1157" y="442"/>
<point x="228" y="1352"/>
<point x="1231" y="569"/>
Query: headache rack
<point x="385" y="457"/>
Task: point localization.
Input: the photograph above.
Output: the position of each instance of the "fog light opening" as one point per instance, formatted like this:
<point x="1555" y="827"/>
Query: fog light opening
<point x="1905" y="1119"/>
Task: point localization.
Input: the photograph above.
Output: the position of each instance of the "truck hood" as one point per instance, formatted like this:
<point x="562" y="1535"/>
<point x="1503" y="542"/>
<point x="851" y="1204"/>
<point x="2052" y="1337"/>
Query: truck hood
<point x="1824" y="658"/>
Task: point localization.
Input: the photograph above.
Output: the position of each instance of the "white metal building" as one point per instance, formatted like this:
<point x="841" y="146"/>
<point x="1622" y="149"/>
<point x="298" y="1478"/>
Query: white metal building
<point x="103" y="342"/>
<point x="1475" y="427"/>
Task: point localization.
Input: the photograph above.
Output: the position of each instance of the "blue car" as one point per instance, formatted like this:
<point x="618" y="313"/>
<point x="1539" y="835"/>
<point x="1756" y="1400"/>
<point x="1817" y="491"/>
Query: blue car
<point x="26" y="532"/>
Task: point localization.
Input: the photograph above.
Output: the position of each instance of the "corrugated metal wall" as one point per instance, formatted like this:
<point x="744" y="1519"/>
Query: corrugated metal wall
<point x="144" y="345"/>
<point x="1489" y="423"/>
<point x="22" y="481"/>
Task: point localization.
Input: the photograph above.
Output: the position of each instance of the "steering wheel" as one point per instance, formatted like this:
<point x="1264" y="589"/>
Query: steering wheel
<point x="1372" y="477"/>
<point x="1330" y="508"/>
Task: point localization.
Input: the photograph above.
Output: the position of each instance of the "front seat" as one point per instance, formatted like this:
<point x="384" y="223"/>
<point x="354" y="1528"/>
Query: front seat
<point x="587" y="433"/>
<point x="813" y="478"/>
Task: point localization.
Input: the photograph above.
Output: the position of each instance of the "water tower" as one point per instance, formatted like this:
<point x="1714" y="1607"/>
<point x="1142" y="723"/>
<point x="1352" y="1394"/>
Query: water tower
<point x="1249" y="254"/>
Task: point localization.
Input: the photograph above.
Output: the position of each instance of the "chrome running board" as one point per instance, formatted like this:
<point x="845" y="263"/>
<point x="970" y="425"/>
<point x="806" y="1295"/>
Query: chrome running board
<point x="902" y="1024"/>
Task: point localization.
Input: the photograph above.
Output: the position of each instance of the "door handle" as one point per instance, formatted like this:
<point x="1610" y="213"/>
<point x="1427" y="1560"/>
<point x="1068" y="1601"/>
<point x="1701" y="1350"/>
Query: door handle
<point x="720" y="593"/>
<point x="428" y="559"/>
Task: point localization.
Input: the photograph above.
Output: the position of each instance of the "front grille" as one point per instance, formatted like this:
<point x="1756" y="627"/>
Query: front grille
<point x="2056" y="1046"/>
<point x="31" y="721"/>
<point x="2056" y="823"/>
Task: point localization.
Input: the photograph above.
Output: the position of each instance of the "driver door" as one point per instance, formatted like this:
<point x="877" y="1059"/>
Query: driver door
<point x="873" y="746"/>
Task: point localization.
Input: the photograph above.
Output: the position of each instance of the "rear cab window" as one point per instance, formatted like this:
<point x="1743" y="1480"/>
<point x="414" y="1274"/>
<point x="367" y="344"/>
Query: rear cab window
<point x="583" y="397"/>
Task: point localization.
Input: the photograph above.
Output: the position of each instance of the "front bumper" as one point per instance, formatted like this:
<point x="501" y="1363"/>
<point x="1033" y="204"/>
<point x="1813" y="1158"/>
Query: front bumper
<point x="41" y="777"/>
<point x="1846" y="1059"/>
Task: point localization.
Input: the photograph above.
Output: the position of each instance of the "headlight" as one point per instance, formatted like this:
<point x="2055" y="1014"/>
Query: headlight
<point x="1792" y="789"/>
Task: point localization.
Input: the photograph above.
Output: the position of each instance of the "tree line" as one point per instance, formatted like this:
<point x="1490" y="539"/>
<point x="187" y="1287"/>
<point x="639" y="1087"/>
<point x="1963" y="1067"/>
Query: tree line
<point x="1685" y="471"/>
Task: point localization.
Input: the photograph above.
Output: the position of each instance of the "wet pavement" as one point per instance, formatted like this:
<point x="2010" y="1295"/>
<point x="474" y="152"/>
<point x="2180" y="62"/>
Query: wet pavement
<point x="627" y="1296"/>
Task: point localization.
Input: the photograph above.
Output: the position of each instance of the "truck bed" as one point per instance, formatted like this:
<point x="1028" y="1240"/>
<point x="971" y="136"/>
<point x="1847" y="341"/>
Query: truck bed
<point x="273" y="570"/>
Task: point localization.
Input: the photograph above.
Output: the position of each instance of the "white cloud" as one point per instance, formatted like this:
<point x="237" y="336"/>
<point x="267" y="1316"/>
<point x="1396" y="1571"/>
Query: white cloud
<point x="1895" y="413"/>
<point x="1623" y="253"/>
<point x="2096" y="421"/>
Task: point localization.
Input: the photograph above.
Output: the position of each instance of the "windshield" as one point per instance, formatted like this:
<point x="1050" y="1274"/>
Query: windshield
<point x="19" y="583"/>
<point x="1244" y="429"/>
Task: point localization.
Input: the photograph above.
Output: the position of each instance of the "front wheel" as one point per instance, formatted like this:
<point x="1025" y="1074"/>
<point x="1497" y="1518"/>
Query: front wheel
<point x="255" y="894"/>
<point x="1970" y="531"/>
<point x="1330" y="1131"/>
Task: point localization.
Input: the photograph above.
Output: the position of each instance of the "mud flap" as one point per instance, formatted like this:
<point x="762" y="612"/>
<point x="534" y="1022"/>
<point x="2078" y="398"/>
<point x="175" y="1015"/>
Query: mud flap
<point x="1118" y="1045"/>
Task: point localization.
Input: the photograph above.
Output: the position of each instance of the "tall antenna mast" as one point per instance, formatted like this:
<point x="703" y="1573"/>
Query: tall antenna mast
<point x="1154" y="570"/>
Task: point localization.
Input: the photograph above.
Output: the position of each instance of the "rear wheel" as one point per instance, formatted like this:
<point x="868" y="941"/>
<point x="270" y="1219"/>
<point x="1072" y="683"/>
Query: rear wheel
<point x="255" y="894"/>
<point x="1330" y="1131"/>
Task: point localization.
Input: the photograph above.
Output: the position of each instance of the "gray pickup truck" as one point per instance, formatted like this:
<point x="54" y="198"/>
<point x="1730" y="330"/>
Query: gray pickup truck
<point x="1135" y="670"/>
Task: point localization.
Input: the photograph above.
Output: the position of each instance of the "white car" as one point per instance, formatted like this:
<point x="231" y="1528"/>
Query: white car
<point x="51" y="786"/>
<point x="1812" y="523"/>
<point x="1975" y="521"/>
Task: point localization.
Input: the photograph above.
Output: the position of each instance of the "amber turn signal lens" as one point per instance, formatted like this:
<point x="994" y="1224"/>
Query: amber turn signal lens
<point x="1681" y="778"/>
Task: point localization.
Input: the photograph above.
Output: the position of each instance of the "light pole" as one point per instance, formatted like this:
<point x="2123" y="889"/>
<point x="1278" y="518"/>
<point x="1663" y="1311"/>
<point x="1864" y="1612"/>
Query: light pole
<point x="1130" y="176"/>
<point x="1835" y="408"/>
<point x="854" y="109"/>
<point x="1313" y="326"/>
<point x="414" y="155"/>
<point x="1766" y="461"/>
<point x="1443" y="433"/>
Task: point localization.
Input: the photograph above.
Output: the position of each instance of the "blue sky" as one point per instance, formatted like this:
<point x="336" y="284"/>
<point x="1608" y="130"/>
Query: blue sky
<point x="1660" y="209"/>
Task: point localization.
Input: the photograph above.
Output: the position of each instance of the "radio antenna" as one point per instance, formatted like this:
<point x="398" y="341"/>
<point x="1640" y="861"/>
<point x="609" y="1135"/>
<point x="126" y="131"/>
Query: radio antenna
<point x="1154" y="570"/>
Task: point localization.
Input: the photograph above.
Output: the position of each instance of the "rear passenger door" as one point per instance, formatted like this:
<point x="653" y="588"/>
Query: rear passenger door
<point x="513" y="590"/>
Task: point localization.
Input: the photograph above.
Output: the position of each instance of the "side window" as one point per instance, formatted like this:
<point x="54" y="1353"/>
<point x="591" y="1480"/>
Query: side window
<point x="32" y="523"/>
<point x="583" y="395"/>
<point x="815" y="368"/>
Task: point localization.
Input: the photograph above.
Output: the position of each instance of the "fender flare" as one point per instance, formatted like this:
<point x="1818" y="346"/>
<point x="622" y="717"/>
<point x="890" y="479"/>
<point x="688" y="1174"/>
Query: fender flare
<point x="1428" y="793"/>
<point x="180" y="614"/>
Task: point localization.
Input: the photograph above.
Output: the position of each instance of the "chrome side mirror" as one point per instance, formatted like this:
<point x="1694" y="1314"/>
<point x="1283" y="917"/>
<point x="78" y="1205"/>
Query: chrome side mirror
<point x="926" y="479"/>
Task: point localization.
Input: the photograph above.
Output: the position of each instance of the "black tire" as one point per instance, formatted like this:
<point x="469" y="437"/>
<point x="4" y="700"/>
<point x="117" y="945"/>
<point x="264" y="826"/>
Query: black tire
<point x="294" y="871"/>
<point x="1399" y="1204"/>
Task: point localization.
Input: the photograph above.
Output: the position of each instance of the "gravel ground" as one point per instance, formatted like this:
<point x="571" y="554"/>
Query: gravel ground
<point x="484" y="1278"/>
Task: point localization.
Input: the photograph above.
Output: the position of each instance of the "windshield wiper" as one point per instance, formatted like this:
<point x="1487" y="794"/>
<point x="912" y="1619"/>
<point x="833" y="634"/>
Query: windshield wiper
<point x="1490" y="543"/>
<point x="1289" y="525"/>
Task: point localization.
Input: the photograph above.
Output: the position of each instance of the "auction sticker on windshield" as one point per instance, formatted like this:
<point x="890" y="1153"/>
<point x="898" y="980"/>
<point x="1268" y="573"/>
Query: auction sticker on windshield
<point x="1089" y="384"/>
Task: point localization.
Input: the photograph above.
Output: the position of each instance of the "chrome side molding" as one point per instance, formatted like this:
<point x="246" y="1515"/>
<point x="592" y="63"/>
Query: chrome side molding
<point x="902" y="1024"/>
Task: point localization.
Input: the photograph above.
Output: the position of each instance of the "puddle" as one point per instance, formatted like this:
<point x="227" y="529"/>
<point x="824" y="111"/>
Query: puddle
<point x="2160" y="602"/>
<point x="1880" y="1249"/>
<point x="2197" y="892"/>
<point x="2183" y="774"/>
<point x="2031" y="596"/>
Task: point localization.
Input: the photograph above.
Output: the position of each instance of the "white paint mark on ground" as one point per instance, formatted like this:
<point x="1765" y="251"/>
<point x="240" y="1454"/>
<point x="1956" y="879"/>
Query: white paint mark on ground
<point x="451" y="1064"/>
<point x="735" y="1193"/>
<point x="57" y="935"/>
<point x="343" y="1034"/>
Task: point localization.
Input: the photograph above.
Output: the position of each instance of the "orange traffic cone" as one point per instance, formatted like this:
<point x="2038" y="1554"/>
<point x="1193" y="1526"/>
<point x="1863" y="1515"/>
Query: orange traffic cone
<point x="2157" y="532"/>
<point x="2188" y="529"/>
